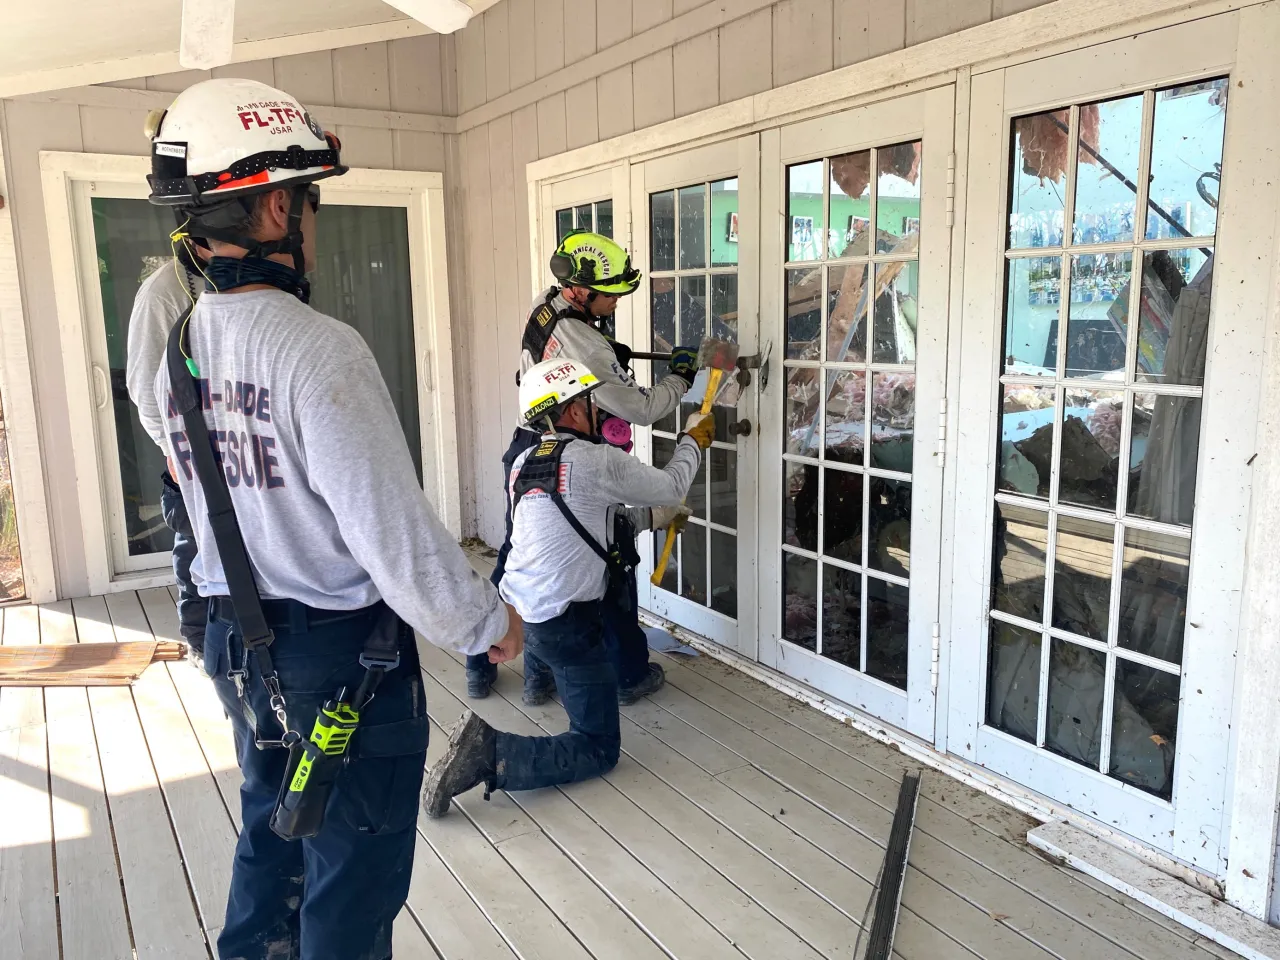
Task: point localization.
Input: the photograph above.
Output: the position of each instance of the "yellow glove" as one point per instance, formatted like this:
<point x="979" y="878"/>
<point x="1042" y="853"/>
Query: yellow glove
<point x="701" y="428"/>
<point x="662" y="517"/>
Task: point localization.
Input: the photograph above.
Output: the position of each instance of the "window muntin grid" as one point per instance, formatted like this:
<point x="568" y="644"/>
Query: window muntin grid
<point x="693" y="290"/>
<point x="849" y="405"/>
<point x="1099" y="435"/>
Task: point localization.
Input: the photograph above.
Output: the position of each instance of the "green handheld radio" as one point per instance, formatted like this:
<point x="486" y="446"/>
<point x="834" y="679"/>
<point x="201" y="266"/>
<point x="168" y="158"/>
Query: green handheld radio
<point x="313" y="769"/>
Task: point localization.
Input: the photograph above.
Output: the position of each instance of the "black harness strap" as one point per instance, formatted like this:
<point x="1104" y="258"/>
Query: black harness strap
<point x="542" y="324"/>
<point x="541" y="471"/>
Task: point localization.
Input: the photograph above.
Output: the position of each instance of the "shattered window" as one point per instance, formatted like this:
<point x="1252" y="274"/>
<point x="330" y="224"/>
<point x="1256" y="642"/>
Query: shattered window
<point x="1111" y="221"/>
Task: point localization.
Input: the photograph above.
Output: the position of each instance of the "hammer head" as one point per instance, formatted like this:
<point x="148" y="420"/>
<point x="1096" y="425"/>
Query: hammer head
<point x="719" y="354"/>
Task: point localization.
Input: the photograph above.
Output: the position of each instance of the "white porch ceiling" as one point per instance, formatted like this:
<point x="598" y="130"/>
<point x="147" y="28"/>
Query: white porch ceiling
<point x="53" y="44"/>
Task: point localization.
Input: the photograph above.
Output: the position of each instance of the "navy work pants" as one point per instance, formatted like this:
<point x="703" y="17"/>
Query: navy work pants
<point x="193" y="609"/>
<point x="624" y="640"/>
<point x="334" y="896"/>
<point x="571" y="647"/>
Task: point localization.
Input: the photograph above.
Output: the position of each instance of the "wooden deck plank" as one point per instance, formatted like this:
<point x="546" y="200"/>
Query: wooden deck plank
<point x="200" y="700"/>
<point x="150" y="861"/>
<point x="729" y="909"/>
<point x="647" y="901"/>
<point x="91" y="906"/>
<point x="974" y="825"/>
<point x="203" y="827"/>
<point x="28" y="906"/>
<point x="458" y="928"/>
<point x="771" y="829"/>
<point x="408" y="942"/>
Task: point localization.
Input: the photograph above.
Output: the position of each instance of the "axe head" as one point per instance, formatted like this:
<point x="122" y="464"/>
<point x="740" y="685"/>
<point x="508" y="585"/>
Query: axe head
<point x="718" y="354"/>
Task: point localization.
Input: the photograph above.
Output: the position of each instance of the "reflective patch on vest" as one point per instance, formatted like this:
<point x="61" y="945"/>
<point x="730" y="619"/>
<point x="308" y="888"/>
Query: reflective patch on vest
<point x="544" y="315"/>
<point x="552" y="349"/>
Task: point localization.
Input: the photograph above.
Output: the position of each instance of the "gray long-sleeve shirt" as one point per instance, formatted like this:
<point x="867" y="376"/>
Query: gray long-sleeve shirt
<point x="161" y="300"/>
<point x="323" y="486"/>
<point x="550" y="566"/>
<point x="619" y="393"/>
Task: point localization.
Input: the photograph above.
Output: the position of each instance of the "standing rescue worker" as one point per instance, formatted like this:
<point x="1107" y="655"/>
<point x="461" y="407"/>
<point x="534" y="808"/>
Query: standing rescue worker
<point x="594" y="272"/>
<point x="161" y="300"/>
<point x="565" y="567"/>
<point x="277" y="417"/>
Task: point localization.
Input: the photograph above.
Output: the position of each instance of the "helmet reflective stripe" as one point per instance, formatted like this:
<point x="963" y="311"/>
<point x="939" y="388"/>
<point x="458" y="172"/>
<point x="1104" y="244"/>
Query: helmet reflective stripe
<point x="594" y="261"/>
<point x="548" y="386"/>
<point x="233" y="137"/>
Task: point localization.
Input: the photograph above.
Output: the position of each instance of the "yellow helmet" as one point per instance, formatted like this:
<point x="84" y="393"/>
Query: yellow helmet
<point x="591" y="260"/>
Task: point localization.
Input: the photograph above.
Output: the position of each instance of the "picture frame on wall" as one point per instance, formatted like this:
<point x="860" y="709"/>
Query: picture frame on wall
<point x="732" y="235"/>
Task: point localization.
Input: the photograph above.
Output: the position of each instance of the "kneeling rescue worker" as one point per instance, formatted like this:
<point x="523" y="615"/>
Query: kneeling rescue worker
<point x="314" y="539"/>
<point x="593" y="272"/>
<point x="563" y="571"/>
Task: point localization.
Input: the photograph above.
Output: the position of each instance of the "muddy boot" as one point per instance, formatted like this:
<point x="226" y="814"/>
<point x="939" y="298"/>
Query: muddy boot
<point x="538" y="689"/>
<point x="470" y="760"/>
<point x="479" y="681"/>
<point x="649" y="683"/>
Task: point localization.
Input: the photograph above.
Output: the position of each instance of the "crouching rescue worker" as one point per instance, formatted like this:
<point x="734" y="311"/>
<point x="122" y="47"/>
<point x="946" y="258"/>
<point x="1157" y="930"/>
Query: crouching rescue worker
<point x="314" y="539"/>
<point x="565" y="568"/>
<point x="593" y="272"/>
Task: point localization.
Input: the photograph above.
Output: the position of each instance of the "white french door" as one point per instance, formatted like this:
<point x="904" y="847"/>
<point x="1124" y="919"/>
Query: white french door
<point x="379" y="254"/>
<point x="855" y="285"/>
<point x="697" y="242"/>
<point x="1104" y="408"/>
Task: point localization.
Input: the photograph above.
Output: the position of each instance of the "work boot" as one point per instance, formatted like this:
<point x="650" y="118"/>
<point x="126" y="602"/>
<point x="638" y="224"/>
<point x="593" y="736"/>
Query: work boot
<point x="537" y="691"/>
<point x="470" y="760"/>
<point x="651" y="682"/>
<point x="479" y="681"/>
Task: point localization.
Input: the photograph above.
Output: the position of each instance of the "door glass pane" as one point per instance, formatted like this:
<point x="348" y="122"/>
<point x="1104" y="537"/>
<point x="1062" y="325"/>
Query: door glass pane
<point x="670" y="576"/>
<point x="724" y="486"/>
<point x="850" y="219"/>
<point x="1021" y="549"/>
<point x="12" y="586"/>
<point x="582" y="219"/>
<point x="887" y="608"/>
<point x="362" y="278"/>
<point x="1173" y="334"/>
<point x="842" y="516"/>
<point x="847" y="308"/>
<point x="724" y="306"/>
<point x="1107" y="168"/>
<point x="1088" y="463"/>
<point x="1038" y="179"/>
<point x="1144" y="727"/>
<point x="1082" y="577"/>
<point x="889" y="521"/>
<point x="804" y="211"/>
<point x="800" y="506"/>
<point x="564" y="223"/>
<point x="1186" y="160"/>
<point x="893" y="415"/>
<point x="724" y="223"/>
<point x="1098" y="315"/>
<point x="1077" y="679"/>
<point x="1013" y="680"/>
<point x="802" y="411"/>
<point x="800" y="600"/>
<point x="846" y="426"/>
<point x="604" y="218"/>
<point x="132" y="238"/>
<point x="693" y="310"/>
<point x="1153" y="593"/>
<point x="662" y="230"/>
<point x="804" y="313"/>
<point x="693" y="227"/>
<point x="898" y="198"/>
<point x="693" y="563"/>
<point x="1026" y="439"/>
<point x="1033" y="291"/>
<point x="895" y="314"/>
<point x="724" y="573"/>
<point x="662" y="312"/>
<point x="1162" y="462"/>
<point x="842" y="616"/>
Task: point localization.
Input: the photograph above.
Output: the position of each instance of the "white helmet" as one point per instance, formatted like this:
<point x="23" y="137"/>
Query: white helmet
<point x="548" y="385"/>
<point x="229" y="137"/>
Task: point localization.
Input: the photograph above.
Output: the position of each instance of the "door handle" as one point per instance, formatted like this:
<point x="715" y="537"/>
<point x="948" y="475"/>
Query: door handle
<point x="740" y="428"/>
<point x="428" y="380"/>
<point x="101" y="394"/>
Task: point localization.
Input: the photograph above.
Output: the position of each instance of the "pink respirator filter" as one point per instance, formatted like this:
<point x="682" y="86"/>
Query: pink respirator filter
<point x="617" y="433"/>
